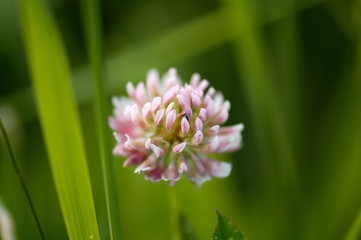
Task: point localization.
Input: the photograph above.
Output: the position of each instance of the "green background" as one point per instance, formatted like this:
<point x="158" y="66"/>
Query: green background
<point x="292" y="72"/>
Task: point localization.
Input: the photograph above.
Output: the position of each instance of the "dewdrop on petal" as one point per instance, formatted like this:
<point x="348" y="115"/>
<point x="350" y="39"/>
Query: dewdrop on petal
<point x="166" y="129"/>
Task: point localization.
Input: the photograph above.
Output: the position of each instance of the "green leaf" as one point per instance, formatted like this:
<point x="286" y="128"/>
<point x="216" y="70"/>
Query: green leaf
<point x="226" y="230"/>
<point x="59" y="119"/>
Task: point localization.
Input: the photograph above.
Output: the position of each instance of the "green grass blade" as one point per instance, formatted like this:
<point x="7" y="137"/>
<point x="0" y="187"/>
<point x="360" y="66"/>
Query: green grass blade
<point x="59" y="120"/>
<point x="91" y="12"/>
<point x="21" y="179"/>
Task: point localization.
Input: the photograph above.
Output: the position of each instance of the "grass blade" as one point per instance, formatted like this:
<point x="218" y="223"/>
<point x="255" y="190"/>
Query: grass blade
<point x="93" y="31"/>
<point x="59" y="120"/>
<point x="21" y="179"/>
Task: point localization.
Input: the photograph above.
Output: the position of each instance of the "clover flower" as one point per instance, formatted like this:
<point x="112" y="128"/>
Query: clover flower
<point x="167" y="129"/>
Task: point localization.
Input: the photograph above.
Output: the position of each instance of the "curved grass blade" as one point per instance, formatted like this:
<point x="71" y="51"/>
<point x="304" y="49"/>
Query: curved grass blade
<point x="91" y="14"/>
<point x="59" y="119"/>
<point x="21" y="179"/>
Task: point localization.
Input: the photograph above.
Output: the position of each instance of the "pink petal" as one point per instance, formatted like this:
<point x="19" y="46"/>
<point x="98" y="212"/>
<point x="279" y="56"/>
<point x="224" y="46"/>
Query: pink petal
<point x="156" y="150"/>
<point x="222" y="117"/>
<point x="210" y="108"/>
<point x="195" y="79"/>
<point x="147" y="110"/>
<point x="198" y="126"/>
<point x="171" y="174"/>
<point x="184" y="126"/>
<point x="203" y="85"/>
<point x="134" y="159"/>
<point x="155" y="175"/>
<point x="182" y="166"/>
<point x="179" y="148"/>
<point x="168" y="96"/>
<point x="170" y="119"/>
<point x="156" y="102"/>
<point x="140" y="93"/>
<point x="130" y="90"/>
<point x="153" y="82"/>
<point x="147" y="165"/>
<point x="226" y="105"/>
<point x="220" y="169"/>
<point x="232" y="129"/>
<point x="158" y="117"/>
<point x="197" y="138"/>
<point x="196" y="100"/>
<point x="169" y="108"/>
<point x="135" y="114"/>
<point x="213" y="145"/>
<point x="147" y="143"/>
<point x="202" y="114"/>
<point x="211" y="92"/>
<point x="213" y="130"/>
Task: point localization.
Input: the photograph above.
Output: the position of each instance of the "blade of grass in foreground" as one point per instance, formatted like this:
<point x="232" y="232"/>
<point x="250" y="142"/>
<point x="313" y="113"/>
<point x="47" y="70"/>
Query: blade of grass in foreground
<point x="59" y="120"/>
<point x="91" y="15"/>
<point x="21" y="179"/>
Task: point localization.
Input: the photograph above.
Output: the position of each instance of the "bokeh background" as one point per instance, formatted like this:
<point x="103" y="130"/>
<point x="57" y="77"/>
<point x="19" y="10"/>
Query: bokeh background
<point x="292" y="71"/>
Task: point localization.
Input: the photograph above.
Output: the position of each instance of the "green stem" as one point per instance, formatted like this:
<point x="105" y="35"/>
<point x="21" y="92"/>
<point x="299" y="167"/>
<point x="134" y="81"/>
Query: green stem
<point x="174" y="214"/>
<point x="21" y="179"/>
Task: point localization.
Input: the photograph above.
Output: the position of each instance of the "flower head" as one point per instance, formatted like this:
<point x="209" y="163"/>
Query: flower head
<point x="166" y="129"/>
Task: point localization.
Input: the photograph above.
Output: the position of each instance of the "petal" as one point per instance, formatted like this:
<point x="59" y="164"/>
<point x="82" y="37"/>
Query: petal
<point x="182" y="166"/>
<point x="213" y="130"/>
<point x="197" y="138"/>
<point x="169" y="108"/>
<point x="196" y="100"/>
<point x="147" y="143"/>
<point x="156" y="102"/>
<point x="147" y="110"/>
<point x="184" y="126"/>
<point x="153" y="82"/>
<point x="170" y="119"/>
<point x="198" y="126"/>
<point x="130" y="90"/>
<point x="204" y="84"/>
<point x="156" y="150"/>
<point x="134" y="159"/>
<point x="195" y="79"/>
<point x="202" y="114"/>
<point x="140" y="93"/>
<point x="158" y="117"/>
<point x="179" y="148"/>
<point x="135" y="114"/>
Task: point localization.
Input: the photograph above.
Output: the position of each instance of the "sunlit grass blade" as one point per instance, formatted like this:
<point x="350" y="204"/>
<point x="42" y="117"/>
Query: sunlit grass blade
<point x="21" y="179"/>
<point x="59" y="119"/>
<point x="91" y="12"/>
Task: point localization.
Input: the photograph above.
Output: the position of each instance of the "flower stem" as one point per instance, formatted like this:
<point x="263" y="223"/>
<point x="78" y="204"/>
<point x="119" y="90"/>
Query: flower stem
<point x="174" y="214"/>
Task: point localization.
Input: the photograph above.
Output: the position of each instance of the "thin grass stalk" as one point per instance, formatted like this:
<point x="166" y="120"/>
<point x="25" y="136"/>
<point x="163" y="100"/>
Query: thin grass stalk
<point x="21" y="179"/>
<point x="92" y="22"/>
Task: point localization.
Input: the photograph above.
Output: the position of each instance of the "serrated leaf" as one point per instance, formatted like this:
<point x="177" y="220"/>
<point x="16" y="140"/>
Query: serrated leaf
<point x="226" y="230"/>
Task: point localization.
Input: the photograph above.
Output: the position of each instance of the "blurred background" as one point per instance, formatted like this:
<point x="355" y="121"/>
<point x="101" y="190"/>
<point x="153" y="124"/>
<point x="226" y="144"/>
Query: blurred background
<point x="292" y="71"/>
